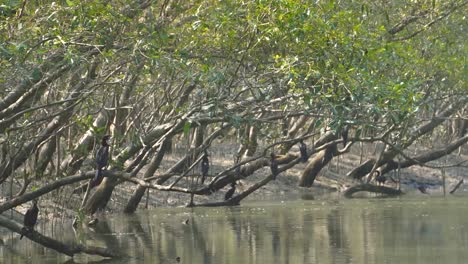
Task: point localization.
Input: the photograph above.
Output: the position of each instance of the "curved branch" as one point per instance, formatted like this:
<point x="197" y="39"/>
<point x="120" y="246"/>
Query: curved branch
<point x="46" y="189"/>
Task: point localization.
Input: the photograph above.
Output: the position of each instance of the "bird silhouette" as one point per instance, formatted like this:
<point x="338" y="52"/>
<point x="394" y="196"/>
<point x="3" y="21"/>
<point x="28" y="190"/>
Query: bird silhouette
<point x="344" y="135"/>
<point x="380" y="178"/>
<point x="273" y="166"/>
<point x="102" y="159"/>
<point x="205" y="166"/>
<point x="303" y="150"/>
<point x="30" y="219"/>
<point x="230" y="192"/>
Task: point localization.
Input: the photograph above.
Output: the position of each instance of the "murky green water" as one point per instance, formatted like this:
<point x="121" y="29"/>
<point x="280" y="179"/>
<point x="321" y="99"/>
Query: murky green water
<point x="408" y="230"/>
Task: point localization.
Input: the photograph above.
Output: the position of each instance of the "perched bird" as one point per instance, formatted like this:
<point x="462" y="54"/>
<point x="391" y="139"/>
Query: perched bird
<point x="102" y="159"/>
<point x="238" y="172"/>
<point x="303" y="150"/>
<point x="205" y="167"/>
<point x="344" y="135"/>
<point x="380" y="178"/>
<point x="30" y="219"/>
<point x="274" y="166"/>
<point x="422" y="188"/>
<point x="230" y="192"/>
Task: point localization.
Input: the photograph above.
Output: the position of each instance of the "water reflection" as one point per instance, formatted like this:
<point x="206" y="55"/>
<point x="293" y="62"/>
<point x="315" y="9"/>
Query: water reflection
<point x="307" y="231"/>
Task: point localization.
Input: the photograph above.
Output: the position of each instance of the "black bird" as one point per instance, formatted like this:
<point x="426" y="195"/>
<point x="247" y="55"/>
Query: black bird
<point x="230" y="192"/>
<point x="422" y="189"/>
<point x="102" y="159"/>
<point x="274" y="166"/>
<point x="30" y="219"/>
<point x="205" y="167"/>
<point x="303" y="150"/>
<point x="238" y="172"/>
<point x="344" y="135"/>
<point x="380" y="178"/>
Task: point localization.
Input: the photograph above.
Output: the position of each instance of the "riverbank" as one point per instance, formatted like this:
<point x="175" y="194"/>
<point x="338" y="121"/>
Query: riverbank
<point x="331" y="179"/>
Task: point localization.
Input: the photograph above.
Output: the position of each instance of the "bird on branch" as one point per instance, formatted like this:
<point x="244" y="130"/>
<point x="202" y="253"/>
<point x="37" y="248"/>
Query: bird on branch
<point x="30" y="219"/>
<point x="303" y="150"/>
<point x="380" y="179"/>
<point x="205" y="166"/>
<point x="230" y="192"/>
<point x="273" y="166"/>
<point x="102" y="160"/>
<point x="344" y="135"/>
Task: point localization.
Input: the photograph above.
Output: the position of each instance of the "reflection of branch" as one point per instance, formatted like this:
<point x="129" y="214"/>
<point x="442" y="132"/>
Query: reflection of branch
<point x="48" y="242"/>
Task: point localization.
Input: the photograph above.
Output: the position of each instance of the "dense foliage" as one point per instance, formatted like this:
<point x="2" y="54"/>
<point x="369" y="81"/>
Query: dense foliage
<point x="275" y="71"/>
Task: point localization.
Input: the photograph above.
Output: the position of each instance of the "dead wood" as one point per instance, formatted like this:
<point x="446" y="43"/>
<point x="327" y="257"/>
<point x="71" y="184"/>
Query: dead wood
<point x="456" y="187"/>
<point x="69" y="250"/>
<point x="348" y="193"/>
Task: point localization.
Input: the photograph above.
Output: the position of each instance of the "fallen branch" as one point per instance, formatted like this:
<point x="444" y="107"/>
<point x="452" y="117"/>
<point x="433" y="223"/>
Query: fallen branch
<point x="456" y="186"/>
<point x="348" y="193"/>
<point x="69" y="250"/>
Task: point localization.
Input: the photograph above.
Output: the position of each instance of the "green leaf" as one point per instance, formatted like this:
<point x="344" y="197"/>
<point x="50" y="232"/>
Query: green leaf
<point x="187" y="127"/>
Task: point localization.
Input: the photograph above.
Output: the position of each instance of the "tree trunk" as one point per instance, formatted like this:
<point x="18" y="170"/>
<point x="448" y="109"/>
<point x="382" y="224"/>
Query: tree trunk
<point x="57" y="122"/>
<point x="292" y="133"/>
<point x="72" y="163"/>
<point x="252" y="142"/>
<point x="137" y="195"/>
<point x="318" y="162"/>
<point x="45" y="155"/>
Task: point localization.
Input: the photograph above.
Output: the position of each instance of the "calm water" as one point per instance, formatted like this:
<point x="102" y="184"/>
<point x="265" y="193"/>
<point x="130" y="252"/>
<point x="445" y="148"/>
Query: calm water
<point x="406" y="230"/>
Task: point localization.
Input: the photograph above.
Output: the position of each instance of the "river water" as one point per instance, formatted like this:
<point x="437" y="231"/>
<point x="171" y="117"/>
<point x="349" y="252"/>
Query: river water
<point x="414" y="229"/>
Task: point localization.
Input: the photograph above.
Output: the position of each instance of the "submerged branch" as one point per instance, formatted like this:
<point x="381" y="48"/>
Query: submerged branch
<point x="69" y="250"/>
<point x="348" y="193"/>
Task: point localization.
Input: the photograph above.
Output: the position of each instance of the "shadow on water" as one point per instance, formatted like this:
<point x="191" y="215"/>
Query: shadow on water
<point x="400" y="230"/>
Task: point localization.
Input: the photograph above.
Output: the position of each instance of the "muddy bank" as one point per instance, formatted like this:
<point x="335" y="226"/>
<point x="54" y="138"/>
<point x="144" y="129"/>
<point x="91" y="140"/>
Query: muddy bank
<point x="332" y="178"/>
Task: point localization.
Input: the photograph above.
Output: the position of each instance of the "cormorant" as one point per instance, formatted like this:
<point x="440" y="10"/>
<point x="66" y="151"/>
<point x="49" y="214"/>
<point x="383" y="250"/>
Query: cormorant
<point x="344" y="135"/>
<point x="102" y="159"/>
<point x="380" y="178"/>
<point x="303" y="150"/>
<point x="230" y="192"/>
<point x="274" y="166"/>
<point x="205" y="167"/>
<point x="30" y="219"/>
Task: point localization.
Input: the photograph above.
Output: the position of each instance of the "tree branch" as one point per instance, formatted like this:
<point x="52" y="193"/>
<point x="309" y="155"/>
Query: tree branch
<point x="69" y="250"/>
